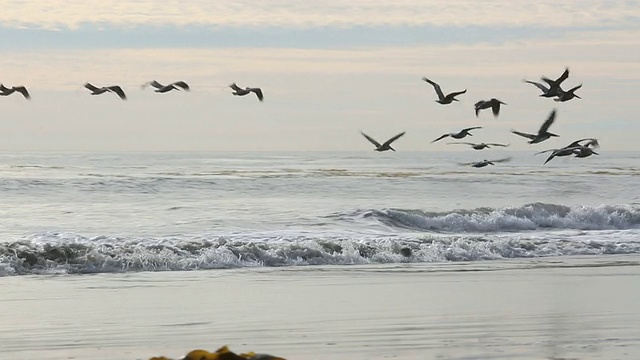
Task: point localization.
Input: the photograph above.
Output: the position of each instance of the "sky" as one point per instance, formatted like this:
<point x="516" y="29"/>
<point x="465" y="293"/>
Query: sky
<point x="328" y="70"/>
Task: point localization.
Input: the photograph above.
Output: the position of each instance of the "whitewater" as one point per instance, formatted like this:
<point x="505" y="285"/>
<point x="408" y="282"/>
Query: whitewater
<point x="76" y="213"/>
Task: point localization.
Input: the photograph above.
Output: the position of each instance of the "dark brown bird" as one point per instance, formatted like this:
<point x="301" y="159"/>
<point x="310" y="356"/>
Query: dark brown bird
<point x="442" y="99"/>
<point x="459" y="135"/>
<point x="238" y="91"/>
<point x="575" y="148"/>
<point x="386" y="145"/>
<point x="554" y="88"/>
<point x="483" y="163"/>
<point x="494" y="104"/>
<point x="166" y="88"/>
<point x="101" y="90"/>
<point x="479" y="146"/>
<point x="569" y="94"/>
<point x="543" y="133"/>
<point x="5" y="91"/>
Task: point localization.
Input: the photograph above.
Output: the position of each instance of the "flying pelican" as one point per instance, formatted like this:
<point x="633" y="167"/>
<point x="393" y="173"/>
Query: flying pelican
<point x="478" y="146"/>
<point x="101" y="90"/>
<point x="387" y="144"/>
<point x="571" y="149"/>
<point x="543" y="134"/>
<point x="569" y="94"/>
<point x="554" y="85"/>
<point x="459" y="135"/>
<point x="590" y="142"/>
<point x="241" y="92"/>
<point x="441" y="98"/>
<point x="483" y="163"/>
<point x="554" y="88"/>
<point x="5" y="91"/>
<point x="166" y="88"/>
<point x="579" y="151"/>
<point x="494" y="104"/>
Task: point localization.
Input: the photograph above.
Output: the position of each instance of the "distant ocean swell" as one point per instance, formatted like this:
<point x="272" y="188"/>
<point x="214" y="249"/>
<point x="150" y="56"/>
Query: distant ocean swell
<point x="509" y="219"/>
<point x="71" y="254"/>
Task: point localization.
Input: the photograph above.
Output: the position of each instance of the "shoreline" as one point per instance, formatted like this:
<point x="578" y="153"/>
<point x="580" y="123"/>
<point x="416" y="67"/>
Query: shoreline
<point x="527" y="309"/>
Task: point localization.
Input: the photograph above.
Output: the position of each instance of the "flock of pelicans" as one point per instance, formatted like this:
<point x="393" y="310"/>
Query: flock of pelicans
<point x="580" y="148"/>
<point x="117" y="89"/>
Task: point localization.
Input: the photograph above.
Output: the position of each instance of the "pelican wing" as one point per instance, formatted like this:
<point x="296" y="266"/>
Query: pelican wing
<point x="153" y="83"/>
<point x="7" y="92"/>
<point x="545" y="126"/>
<point x="562" y="152"/>
<point x="22" y="90"/>
<point x="258" y="92"/>
<point x="118" y="90"/>
<point x="92" y="87"/>
<point x="4" y="89"/>
<point x="181" y="84"/>
<point x="574" y="88"/>
<point x="462" y="143"/>
<point x="557" y="81"/>
<point x="563" y="77"/>
<point x="494" y="144"/>
<point x="436" y="87"/>
<point x="466" y="163"/>
<point x="440" y="138"/>
<point x="590" y="142"/>
<point x="480" y="104"/>
<point x="371" y="140"/>
<point x="495" y="107"/>
<point x="235" y="87"/>
<point x="456" y="93"/>
<point x="471" y="128"/>
<point x="507" y="159"/>
<point x="528" y="136"/>
<point x="538" y="85"/>
<point x="546" y="151"/>
<point x="553" y="154"/>
<point x="388" y="142"/>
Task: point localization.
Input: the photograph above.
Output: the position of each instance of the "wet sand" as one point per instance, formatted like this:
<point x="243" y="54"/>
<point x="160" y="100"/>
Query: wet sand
<point x="581" y="308"/>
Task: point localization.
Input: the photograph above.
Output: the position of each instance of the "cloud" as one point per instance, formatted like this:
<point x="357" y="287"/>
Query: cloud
<point x="57" y="14"/>
<point x="610" y="55"/>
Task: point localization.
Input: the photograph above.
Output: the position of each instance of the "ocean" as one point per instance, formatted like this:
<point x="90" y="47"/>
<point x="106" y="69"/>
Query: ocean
<point x="80" y="213"/>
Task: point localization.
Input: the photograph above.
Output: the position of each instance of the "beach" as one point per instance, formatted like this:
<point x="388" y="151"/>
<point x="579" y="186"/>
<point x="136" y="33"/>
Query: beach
<point x="318" y="256"/>
<point x="573" y="307"/>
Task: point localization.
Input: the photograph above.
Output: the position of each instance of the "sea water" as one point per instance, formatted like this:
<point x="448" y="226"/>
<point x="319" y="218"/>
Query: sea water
<point x="75" y="213"/>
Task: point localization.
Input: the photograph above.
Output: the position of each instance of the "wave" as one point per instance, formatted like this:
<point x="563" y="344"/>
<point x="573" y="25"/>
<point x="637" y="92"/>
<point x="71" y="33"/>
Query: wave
<point x="508" y="219"/>
<point x="55" y="253"/>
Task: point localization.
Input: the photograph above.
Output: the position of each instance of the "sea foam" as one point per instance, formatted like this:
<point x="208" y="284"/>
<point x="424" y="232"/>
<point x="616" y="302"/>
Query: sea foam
<point x="508" y="219"/>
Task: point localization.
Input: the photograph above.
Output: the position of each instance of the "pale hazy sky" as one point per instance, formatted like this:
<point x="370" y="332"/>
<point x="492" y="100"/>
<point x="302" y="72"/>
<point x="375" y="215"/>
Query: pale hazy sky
<point x="328" y="69"/>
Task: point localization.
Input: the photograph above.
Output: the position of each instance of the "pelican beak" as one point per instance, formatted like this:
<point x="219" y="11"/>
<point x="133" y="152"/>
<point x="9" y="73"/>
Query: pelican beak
<point x="577" y="96"/>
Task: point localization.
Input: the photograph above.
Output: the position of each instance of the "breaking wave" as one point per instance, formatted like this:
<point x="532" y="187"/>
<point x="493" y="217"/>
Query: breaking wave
<point x="508" y="219"/>
<point x="54" y="253"/>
